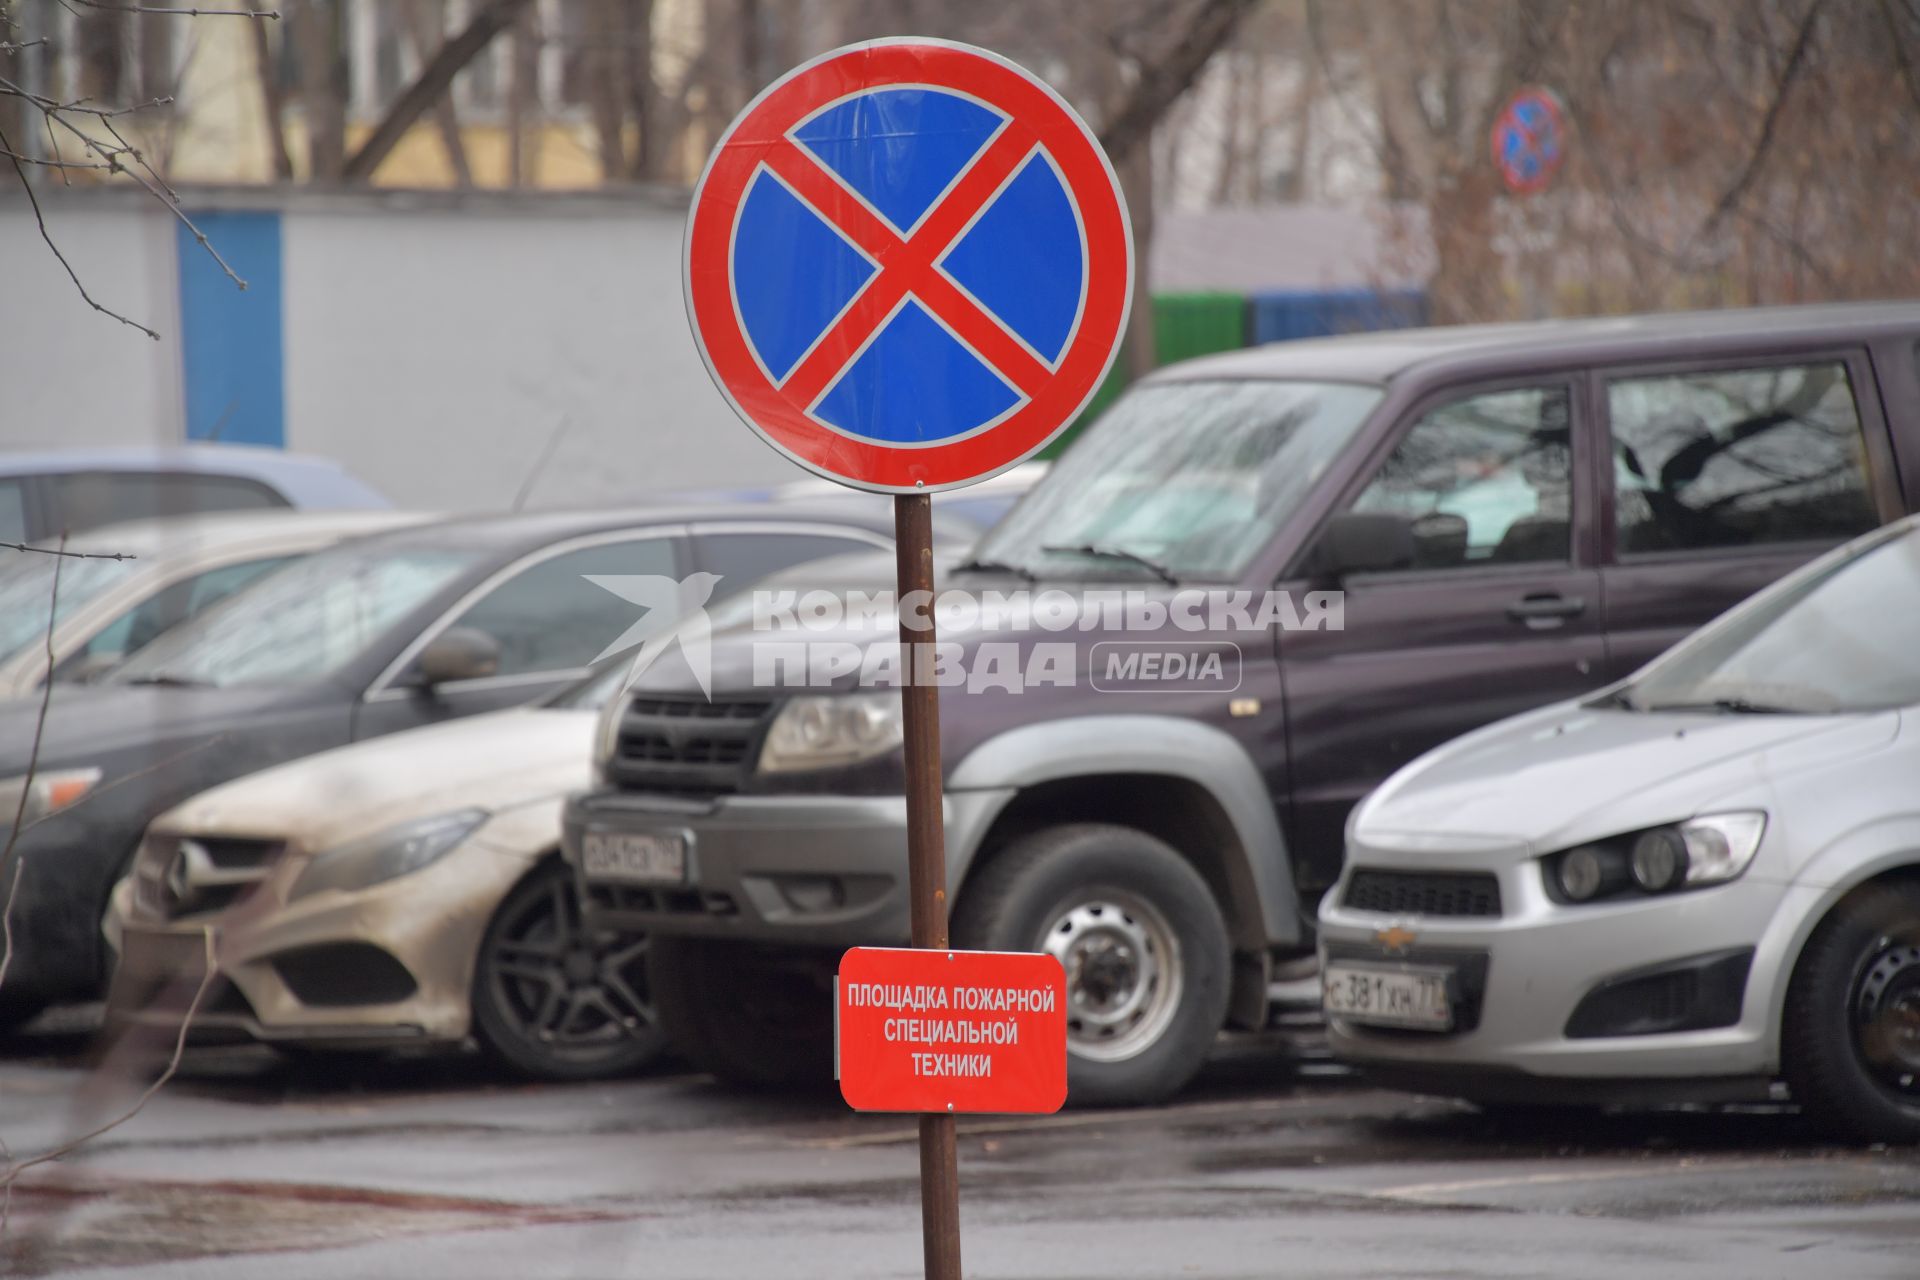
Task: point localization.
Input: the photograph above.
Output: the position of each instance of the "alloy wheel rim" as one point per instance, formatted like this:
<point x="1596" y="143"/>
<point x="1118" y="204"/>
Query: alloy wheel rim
<point x="1124" y="973"/>
<point x="1885" y="1009"/>
<point x="575" y="993"/>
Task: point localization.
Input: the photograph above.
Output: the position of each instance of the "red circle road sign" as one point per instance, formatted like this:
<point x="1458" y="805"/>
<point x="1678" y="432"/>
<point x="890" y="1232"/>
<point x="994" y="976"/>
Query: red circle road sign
<point x="908" y="265"/>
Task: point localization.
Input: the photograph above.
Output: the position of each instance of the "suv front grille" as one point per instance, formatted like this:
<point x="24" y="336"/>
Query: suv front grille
<point x="1424" y="893"/>
<point x="687" y="746"/>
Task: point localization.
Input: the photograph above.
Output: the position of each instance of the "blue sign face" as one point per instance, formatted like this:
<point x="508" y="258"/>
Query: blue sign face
<point x="923" y="282"/>
<point x="1527" y="140"/>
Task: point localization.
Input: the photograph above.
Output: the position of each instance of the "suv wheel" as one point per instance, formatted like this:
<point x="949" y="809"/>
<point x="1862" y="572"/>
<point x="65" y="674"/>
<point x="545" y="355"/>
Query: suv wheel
<point x="554" y="1001"/>
<point x="1850" y="1036"/>
<point x="1142" y="941"/>
<point x="18" y="1011"/>
<point x="752" y="1016"/>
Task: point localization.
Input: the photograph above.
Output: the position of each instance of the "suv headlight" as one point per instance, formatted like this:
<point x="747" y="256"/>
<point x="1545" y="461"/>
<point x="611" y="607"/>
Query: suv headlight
<point x="387" y="855"/>
<point x="1686" y="855"/>
<point x="819" y="732"/>
<point x="51" y="791"/>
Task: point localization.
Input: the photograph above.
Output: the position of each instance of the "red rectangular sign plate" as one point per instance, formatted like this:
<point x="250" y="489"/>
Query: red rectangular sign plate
<point x="959" y="1031"/>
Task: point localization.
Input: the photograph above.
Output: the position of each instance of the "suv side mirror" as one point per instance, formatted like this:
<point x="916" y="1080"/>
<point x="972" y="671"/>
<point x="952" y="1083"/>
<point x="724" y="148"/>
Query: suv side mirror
<point x="1362" y="542"/>
<point x="458" y="653"/>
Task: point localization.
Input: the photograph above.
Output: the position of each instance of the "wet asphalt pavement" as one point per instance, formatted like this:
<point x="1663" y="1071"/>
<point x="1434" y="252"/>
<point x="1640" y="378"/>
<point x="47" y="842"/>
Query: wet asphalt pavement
<point x="1274" y="1164"/>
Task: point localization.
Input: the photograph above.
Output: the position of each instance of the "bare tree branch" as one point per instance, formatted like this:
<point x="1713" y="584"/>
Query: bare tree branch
<point x="19" y="1167"/>
<point x="40" y="220"/>
<point x="104" y="7"/>
<point x="1796" y="60"/>
<point x="418" y="97"/>
<point x="70" y="555"/>
<point x="26" y="781"/>
<point x="1161" y="81"/>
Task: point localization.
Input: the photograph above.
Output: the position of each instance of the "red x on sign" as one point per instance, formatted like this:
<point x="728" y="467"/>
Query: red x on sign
<point x="908" y="265"/>
<point x="925" y="312"/>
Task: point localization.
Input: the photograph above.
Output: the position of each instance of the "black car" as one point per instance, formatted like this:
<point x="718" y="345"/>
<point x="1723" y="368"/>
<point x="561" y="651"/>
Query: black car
<point x="382" y="634"/>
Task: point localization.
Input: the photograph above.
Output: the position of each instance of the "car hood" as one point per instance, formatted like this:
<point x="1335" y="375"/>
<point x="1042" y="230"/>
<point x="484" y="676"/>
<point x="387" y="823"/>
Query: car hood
<point x="494" y="762"/>
<point x="1571" y="773"/>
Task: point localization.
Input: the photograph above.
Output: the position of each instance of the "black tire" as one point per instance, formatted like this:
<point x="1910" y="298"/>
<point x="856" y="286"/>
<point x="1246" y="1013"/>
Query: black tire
<point x="754" y="1017"/>
<point x="1034" y="890"/>
<point x="18" y="1011"/>
<point x="553" y="1001"/>
<point x="1855" y="1074"/>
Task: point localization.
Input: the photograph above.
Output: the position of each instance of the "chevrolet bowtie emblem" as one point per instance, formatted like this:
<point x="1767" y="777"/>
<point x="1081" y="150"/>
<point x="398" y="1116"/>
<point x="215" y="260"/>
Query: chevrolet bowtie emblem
<point x="1395" y="938"/>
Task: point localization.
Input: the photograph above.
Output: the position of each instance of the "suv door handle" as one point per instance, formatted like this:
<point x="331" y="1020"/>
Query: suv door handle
<point x="1545" y="611"/>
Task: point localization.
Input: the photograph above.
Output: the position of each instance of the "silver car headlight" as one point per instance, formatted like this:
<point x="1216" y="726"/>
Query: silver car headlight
<point x="51" y="791"/>
<point x="387" y="855"/>
<point x="1701" y="851"/>
<point x="817" y="732"/>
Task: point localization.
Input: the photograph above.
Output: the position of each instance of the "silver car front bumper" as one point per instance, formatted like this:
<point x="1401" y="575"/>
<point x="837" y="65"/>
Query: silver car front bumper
<point x="1524" y="973"/>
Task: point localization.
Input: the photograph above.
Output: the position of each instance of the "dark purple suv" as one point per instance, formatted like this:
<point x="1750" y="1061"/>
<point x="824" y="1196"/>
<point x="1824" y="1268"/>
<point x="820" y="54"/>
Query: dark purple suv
<point x="1259" y="584"/>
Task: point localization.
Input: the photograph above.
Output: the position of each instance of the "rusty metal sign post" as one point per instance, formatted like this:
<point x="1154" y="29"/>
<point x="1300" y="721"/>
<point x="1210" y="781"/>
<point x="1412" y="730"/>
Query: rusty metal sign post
<point x="926" y="861"/>
<point x="908" y="268"/>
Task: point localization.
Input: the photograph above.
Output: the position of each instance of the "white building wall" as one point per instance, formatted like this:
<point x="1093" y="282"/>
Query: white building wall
<point x="437" y="352"/>
<point x="433" y="344"/>
<point x="70" y="376"/>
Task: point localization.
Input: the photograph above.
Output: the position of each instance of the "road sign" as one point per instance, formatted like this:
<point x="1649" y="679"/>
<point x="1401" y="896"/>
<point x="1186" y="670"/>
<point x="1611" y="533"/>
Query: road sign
<point x="952" y="1031"/>
<point x="1529" y="140"/>
<point x="908" y="265"/>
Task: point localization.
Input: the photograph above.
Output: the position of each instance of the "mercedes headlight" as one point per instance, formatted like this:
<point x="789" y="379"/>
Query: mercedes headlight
<point x="51" y="790"/>
<point x="816" y="732"/>
<point x="389" y="854"/>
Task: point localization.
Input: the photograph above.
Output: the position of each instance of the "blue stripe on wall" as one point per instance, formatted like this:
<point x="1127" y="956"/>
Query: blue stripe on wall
<point x="230" y="340"/>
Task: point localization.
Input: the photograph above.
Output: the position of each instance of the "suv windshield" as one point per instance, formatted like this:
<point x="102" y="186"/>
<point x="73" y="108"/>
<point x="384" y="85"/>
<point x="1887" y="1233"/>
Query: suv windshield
<point x="1181" y="479"/>
<point x="300" y="623"/>
<point x="1844" y="638"/>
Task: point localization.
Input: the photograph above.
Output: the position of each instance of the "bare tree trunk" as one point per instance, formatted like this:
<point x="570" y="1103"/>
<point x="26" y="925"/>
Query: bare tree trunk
<point x="430" y="86"/>
<point x="320" y="55"/>
<point x="1136" y="181"/>
<point x="606" y="91"/>
<point x="751" y="54"/>
<point x="643" y="94"/>
<point x="272" y="102"/>
<point x="1131" y="121"/>
<point x="523" y="88"/>
<point x="426" y="28"/>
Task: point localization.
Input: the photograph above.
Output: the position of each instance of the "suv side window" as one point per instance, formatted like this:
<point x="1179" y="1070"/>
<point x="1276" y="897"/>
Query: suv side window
<point x="1737" y="456"/>
<point x="1486" y="480"/>
<point x="549" y="617"/>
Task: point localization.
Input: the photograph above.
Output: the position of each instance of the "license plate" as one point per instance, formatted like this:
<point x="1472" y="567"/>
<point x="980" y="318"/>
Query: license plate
<point x="1388" y="997"/>
<point x="655" y="857"/>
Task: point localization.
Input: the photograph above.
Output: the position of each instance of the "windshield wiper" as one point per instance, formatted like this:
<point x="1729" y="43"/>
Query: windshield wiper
<point x="975" y="564"/>
<point x="166" y="681"/>
<point x="1620" y="698"/>
<point x="1729" y="706"/>
<point x="1154" y="567"/>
